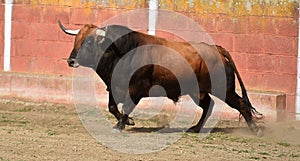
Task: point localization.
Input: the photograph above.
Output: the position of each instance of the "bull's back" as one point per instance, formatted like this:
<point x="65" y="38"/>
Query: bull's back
<point x="178" y="63"/>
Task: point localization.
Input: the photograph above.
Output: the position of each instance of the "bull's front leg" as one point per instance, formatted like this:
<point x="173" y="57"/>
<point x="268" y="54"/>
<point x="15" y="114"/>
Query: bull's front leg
<point x="127" y="108"/>
<point x="113" y="109"/>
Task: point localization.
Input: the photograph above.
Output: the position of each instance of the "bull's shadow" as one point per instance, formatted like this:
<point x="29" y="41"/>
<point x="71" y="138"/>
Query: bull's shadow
<point x="226" y="130"/>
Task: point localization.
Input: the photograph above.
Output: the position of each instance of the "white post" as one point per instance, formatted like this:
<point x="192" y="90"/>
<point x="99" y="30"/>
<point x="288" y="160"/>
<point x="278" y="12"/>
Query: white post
<point x="7" y="33"/>
<point x="153" y="5"/>
<point x="298" y="73"/>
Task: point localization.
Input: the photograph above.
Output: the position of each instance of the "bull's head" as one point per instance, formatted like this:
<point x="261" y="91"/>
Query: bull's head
<point x="86" y="45"/>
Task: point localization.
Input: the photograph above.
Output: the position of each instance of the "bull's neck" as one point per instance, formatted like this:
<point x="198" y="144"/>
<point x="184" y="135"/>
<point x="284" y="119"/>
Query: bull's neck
<point x="127" y="43"/>
<point x="114" y="53"/>
<point x="106" y="67"/>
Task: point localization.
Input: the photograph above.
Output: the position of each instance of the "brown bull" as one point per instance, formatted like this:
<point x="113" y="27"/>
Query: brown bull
<point x="130" y="63"/>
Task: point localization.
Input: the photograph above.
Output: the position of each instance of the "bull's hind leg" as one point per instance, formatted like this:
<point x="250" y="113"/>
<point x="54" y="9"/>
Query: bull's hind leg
<point x="206" y="103"/>
<point x="235" y="101"/>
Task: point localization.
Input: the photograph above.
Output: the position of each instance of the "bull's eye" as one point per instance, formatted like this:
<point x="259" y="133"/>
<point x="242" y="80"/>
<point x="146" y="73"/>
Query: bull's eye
<point x="89" y="41"/>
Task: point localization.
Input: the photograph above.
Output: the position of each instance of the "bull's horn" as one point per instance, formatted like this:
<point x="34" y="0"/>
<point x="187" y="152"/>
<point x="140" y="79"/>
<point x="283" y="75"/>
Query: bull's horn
<point x="67" y="31"/>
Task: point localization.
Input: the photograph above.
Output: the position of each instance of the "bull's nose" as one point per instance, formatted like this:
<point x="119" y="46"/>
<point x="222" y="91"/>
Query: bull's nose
<point x="73" y="62"/>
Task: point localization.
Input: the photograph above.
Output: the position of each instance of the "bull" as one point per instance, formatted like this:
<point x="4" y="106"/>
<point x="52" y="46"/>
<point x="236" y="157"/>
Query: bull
<point x="103" y="49"/>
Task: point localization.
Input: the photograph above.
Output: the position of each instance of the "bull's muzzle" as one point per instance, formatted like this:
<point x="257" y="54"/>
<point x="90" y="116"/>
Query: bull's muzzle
<point x="73" y="62"/>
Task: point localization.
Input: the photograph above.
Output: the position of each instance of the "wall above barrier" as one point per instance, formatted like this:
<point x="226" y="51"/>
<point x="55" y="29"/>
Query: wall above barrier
<point x="262" y="35"/>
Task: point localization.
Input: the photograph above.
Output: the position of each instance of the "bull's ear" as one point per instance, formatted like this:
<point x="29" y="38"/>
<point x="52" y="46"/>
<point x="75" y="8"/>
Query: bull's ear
<point x="100" y="32"/>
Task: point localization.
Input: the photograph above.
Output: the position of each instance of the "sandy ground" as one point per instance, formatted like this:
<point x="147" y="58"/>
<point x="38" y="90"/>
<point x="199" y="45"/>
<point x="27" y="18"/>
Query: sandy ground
<point x="46" y="131"/>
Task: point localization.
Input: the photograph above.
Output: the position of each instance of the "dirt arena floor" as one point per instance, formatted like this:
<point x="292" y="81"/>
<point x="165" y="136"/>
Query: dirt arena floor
<point x="47" y="131"/>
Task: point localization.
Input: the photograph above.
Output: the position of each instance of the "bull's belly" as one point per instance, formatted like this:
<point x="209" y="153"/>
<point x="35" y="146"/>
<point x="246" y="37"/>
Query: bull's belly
<point x="162" y="86"/>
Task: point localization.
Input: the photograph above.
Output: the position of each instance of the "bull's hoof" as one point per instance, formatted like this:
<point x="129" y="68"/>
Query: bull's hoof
<point x="130" y="122"/>
<point x="193" y="129"/>
<point x="259" y="132"/>
<point x="115" y="130"/>
<point x="119" y="126"/>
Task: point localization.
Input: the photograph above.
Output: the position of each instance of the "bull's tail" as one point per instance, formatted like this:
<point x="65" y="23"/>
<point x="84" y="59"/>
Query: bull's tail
<point x="227" y="55"/>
